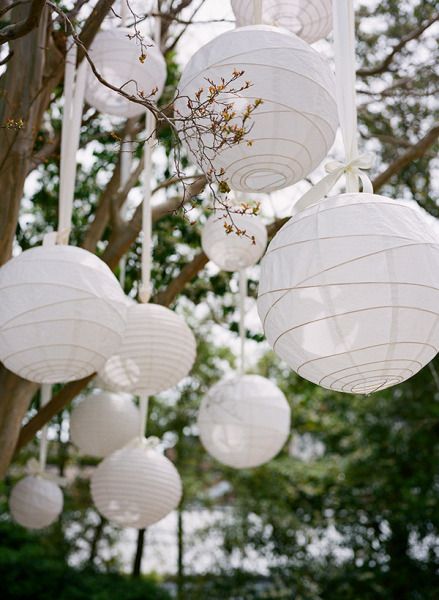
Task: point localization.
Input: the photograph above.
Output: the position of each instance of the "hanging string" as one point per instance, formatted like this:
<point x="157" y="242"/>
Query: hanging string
<point x="74" y="89"/>
<point x="46" y="396"/>
<point x="123" y="13"/>
<point x="145" y="285"/>
<point x="143" y="418"/>
<point x="257" y="12"/>
<point x="145" y="288"/>
<point x="354" y="165"/>
<point x="126" y="163"/>
<point x="242" y="331"/>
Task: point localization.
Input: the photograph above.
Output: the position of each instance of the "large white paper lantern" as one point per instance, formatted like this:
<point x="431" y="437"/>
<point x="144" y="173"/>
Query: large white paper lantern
<point x="349" y="292"/>
<point x="116" y="54"/>
<point x="157" y="351"/>
<point x="233" y="251"/>
<point x="35" y="502"/>
<point x="290" y="133"/>
<point x="136" y="486"/>
<point x="311" y="20"/>
<point x="244" y="421"/>
<point x="62" y="314"/>
<point x="103" y="422"/>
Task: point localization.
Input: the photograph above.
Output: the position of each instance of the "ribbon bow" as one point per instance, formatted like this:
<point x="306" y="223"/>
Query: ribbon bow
<point x="353" y="170"/>
<point x="144" y="442"/>
<point x="34" y="469"/>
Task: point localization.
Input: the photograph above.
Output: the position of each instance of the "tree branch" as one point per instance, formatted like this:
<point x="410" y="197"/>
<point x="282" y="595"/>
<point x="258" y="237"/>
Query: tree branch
<point x="17" y="30"/>
<point x="385" y="64"/>
<point x="52" y="408"/>
<point x="414" y="153"/>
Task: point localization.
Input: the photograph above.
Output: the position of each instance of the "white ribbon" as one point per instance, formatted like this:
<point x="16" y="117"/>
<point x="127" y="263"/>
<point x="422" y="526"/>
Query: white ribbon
<point x="33" y="468"/>
<point x="46" y="396"/>
<point x="143" y="415"/>
<point x="242" y="297"/>
<point x="335" y="169"/>
<point x="74" y="89"/>
<point x="144" y="442"/>
<point x="257" y="12"/>
<point x="145" y="288"/>
<point x="355" y="164"/>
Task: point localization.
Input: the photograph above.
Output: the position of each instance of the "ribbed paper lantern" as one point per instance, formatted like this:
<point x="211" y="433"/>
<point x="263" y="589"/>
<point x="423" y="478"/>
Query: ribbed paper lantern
<point x="36" y="502"/>
<point x="62" y="314"/>
<point x="244" y="421"/>
<point x="136" y="486"/>
<point x="157" y="351"/>
<point x="103" y="422"/>
<point x="230" y="251"/>
<point x="290" y="133"/>
<point x="311" y="20"/>
<point x="117" y="59"/>
<point x="349" y="292"/>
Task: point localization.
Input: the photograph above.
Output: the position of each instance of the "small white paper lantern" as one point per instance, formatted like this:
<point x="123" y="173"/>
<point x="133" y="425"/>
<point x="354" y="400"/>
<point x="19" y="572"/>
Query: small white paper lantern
<point x="36" y="502"/>
<point x="62" y="314"/>
<point x="311" y="20"/>
<point x="157" y="351"/>
<point x="244" y="421"/>
<point x="136" y="486"/>
<point x="290" y="133"/>
<point x="349" y="292"/>
<point x="116" y="55"/>
<point x="103" y="422"/>
<point x="230" y="251"/>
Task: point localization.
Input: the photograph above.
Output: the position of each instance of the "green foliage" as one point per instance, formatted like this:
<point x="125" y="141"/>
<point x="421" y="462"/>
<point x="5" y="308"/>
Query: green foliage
<point x="31" y="569"/>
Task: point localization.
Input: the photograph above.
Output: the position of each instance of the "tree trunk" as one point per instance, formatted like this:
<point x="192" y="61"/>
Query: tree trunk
<point x="20" y="89"/>
<point x="180" y="555"/>
<point x="137" y="564"/>
<point x="16" y="394"/>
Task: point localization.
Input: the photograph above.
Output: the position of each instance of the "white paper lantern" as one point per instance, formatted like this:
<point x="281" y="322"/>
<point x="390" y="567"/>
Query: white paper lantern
<point x="244" y="421"/>
<point x="62" y="314"/>
<point x="103" y="422"/>
<point x="157" y="351"/>
<point x="290" y="133"/>
<point x="136" y="486"/>
<point x="117" y="59"/>
<point x="231" y="251"/>
<point x="35" y="502"/>
<point x="311" y="20"/>
<point x="349" y="292"/>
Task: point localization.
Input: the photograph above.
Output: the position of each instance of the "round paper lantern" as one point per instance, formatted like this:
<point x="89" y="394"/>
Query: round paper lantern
<point x="311" y="20"/>
<point x="62" y="314"/>
<point x="349" y="292"/>
<point x="136" y="486"/>
<point x="103" y="422"/>
<point x="35" y="502"/>
<point x="290" y="133"/>
<point x="157" y="351"/>
<point x="244" y="421"/>
<point x="230" y="251"/>
<point x="117" y="55"/>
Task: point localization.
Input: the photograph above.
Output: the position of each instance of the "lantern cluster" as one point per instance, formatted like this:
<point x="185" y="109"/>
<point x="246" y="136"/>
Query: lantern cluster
<point x="348" y="290"/>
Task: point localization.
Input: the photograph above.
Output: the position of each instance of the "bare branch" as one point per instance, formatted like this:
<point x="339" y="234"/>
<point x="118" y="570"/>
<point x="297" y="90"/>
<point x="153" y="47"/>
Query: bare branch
<point x="385" y="64"/>
<point x="17" y="30"/>
<point x="415" y="152"/>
